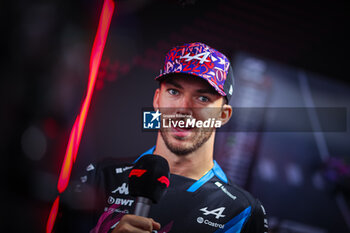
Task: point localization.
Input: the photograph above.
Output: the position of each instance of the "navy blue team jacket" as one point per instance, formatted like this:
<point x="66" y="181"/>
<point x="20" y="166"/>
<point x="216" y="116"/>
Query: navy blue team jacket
<point x="211" y="204"/>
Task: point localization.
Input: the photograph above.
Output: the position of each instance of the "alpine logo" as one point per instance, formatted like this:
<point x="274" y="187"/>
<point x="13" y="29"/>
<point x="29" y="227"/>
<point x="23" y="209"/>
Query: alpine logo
<point x="123" y="189"/>
<point x="202" y="57"/>
<point x="217" y="212"/>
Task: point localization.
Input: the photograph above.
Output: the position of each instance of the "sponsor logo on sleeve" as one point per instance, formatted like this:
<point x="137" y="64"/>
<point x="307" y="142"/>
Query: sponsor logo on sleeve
<point x="118" y="170"/>
<point x="225" y="190"/>
<point x="83" y="179"/>
<point x="90" y="167"/>
<point x="266" y="224"/>
<point x="122" y="169"/>
<point x="77" y="188"/>
<point x="123" y="189"/>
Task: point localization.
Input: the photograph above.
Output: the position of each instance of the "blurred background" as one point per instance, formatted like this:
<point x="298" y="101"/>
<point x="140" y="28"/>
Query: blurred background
<point x="285" y="54"/>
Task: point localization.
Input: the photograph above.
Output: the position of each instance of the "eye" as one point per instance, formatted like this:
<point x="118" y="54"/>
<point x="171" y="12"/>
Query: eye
<point x="203" y="99"/>
<point x="173" y="92"/>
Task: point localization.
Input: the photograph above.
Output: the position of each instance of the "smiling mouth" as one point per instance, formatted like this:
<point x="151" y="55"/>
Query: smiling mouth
<point x="181" y="132"/>
<point x="181" y="129"/>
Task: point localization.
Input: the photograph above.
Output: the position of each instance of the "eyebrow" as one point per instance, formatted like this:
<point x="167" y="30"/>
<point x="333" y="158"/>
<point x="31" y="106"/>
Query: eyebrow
<point x="172" y="82"/>
<point x="209" y="90"/>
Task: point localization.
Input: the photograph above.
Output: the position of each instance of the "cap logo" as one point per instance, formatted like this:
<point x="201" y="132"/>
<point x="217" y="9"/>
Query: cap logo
<point x="202" y="57"/>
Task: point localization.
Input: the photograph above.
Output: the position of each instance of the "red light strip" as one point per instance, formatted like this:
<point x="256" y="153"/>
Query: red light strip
<point x="53" y="214"/>
<point x="77" y="130"/>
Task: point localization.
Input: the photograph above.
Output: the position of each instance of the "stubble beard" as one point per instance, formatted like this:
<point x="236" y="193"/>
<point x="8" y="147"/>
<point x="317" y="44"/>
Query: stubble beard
<point x="182" y="150"/>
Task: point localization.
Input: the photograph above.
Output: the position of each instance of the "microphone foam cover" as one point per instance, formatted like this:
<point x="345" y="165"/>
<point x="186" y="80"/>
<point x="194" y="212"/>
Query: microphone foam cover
<point x="149" y="177"/>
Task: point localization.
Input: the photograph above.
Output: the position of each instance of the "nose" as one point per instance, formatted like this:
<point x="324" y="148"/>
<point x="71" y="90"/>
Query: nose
<point x="184" y="106"/>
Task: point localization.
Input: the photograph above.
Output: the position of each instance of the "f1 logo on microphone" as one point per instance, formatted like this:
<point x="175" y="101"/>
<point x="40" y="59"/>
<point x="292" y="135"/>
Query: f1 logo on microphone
<point x="137" y="172"/>
<point x="164" y="180"/>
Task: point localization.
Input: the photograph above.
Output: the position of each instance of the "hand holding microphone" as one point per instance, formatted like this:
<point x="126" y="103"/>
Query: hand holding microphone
<point x="148" y="181"/>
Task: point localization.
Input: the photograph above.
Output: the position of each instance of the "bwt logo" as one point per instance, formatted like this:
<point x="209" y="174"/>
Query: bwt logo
<point x="151" y="120"/>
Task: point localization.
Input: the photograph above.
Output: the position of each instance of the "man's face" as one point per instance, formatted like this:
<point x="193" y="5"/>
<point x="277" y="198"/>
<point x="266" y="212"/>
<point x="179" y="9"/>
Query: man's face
<point x="190" y="96"/>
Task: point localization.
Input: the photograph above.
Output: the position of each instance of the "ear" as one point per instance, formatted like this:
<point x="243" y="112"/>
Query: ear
<point x="226" y="113"/>
<point x="156" y="99"/>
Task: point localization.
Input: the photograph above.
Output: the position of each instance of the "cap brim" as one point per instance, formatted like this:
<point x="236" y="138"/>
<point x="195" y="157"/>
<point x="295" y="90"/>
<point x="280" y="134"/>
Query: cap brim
<point x="164" y="75"/>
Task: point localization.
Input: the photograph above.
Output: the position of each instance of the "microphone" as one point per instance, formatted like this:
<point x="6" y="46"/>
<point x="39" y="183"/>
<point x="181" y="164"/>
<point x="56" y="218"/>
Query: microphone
<point x="148" y="181"/>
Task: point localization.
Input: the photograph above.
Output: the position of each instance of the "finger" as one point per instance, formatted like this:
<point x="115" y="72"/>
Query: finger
<point x="155" y="225"/>
<point x="139" y="222"/>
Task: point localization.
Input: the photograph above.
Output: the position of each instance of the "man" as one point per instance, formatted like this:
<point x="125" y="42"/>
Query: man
<point x="196" y="83"/>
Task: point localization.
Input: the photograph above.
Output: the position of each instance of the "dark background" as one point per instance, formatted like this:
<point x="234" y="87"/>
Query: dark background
<point x="46" y="54"/>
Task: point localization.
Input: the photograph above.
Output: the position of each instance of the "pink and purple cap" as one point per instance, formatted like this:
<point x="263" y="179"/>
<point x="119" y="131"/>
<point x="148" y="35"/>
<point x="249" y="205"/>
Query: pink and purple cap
<point x="200" y="60"/>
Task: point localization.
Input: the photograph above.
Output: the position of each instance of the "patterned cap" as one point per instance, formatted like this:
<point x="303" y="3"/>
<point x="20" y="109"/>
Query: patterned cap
<point x="203" y="61"/>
